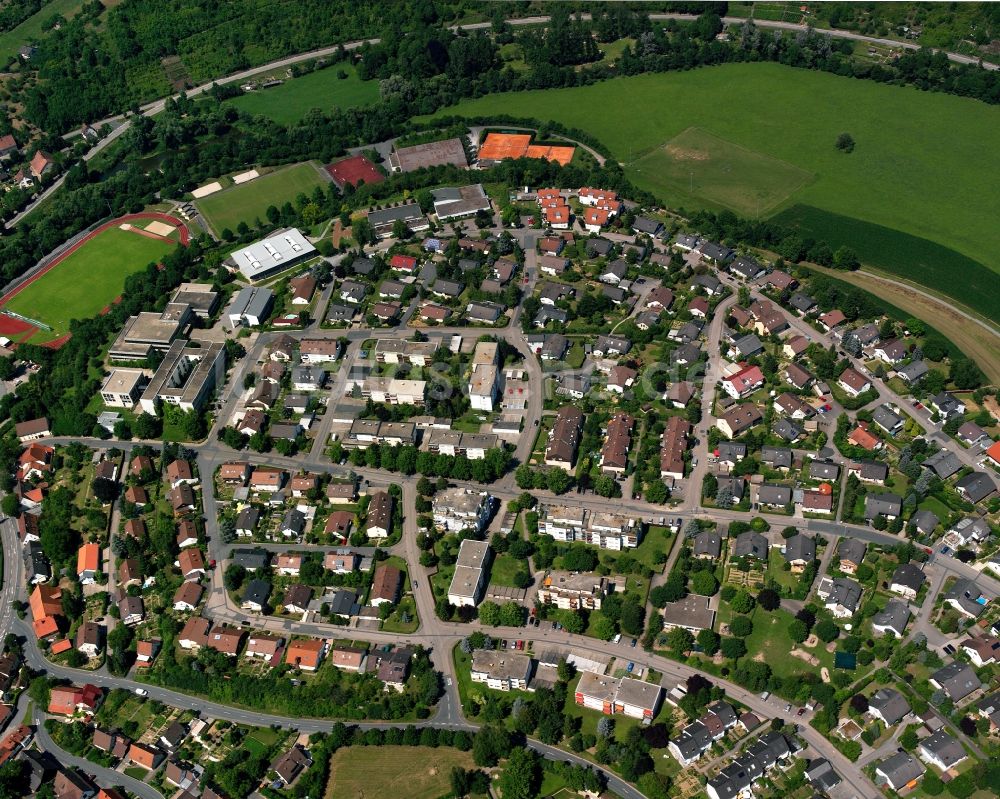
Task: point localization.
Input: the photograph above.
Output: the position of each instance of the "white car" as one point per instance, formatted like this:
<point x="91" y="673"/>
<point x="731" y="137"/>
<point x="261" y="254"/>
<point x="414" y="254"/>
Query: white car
<point x="141" y="692"/>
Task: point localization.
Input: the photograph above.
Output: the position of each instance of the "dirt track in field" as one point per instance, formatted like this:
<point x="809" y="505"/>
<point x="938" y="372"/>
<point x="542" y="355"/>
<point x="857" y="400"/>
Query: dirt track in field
<point x="977" y="342"/>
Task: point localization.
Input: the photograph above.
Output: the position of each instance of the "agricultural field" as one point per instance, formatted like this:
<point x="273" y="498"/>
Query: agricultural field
<point x="31" y="28"/>
<point x="87" y="280"/>
<point x="250" y="201"/>
<point x="416" y="772"/>
<point x="916" y="169"/>
<point x="323" y="89"/>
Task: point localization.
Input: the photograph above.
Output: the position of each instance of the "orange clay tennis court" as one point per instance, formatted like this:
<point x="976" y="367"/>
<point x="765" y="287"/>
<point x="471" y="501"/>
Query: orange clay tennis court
<point x="499" y="146"/>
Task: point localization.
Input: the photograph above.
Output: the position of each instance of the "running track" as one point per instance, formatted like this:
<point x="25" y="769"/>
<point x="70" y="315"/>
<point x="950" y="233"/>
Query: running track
<point x="183" y="233"/>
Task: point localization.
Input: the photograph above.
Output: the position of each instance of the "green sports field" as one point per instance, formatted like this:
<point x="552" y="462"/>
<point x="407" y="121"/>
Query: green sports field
<point x="919" y="168"/>
<point x="723" y="173"/>
<point x="289" y="102"/>
<point x="250" y="201"/>
<point x="87" y="281"/>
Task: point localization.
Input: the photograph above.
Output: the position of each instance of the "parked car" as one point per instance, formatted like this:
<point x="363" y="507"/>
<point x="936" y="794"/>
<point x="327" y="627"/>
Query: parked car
<point x="141" y="692"/>
<point x="630" y="667"/>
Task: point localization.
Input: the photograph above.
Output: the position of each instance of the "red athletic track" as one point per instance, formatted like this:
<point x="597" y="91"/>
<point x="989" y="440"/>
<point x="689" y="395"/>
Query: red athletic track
<point x="183" y="233"/>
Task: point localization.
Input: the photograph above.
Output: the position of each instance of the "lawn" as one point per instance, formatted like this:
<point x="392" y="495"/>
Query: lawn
<point x="771" y="641"/>
<point x="31" y="28"/>
<point x="916" y="169"/>
<point x="293" y="99"/>
<point x="504" y="569"/>
<point x="725" y="174"/>
<point x="416" y="772"/>
<point x="250" y="201"/>
<point x="87" y="281"/>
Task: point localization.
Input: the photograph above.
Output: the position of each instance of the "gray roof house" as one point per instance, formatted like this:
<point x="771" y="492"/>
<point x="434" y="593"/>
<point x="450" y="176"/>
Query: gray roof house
<point x="293" y="523"/>
<point x="966" y="598"/>
<point x="944" y="463"/>
<point x="731" y="451"/>
<point x="255" y="595"/>
<point x="841" y="596"/>
<point x="746" y="267"/>
<point x="942" y="749"/>
<point x="776" y="457"/>
<point x="819" y="470"/>
<point x="774" y="495"/>
<point x="852" y="551"/>
<point x="888" y="505"/>
<point x="957" y="680"/>
<point x="707" y="544"/>
<point x="651" y="227"/>
<point x="800" y="549"/>
<point x="821" y="775"/>
<point x="710" y="283"/>
<point x="913" y="371"/>
<point x="924" y="521"/>
<point x="907" y="579"/>
<point x="251" y="559"/>
<point x="802" y="302"/>
<point x="893" y="618"/>
<point x="887" y="419"/>
<point x="889" y="705"/>
<point x="751" y="545"/>
<point x="786" y="429"/>
<point x="975" y="486"/>
<point x="899" y="770"/>
<point x="748" y="345"/>
<point x="483" y="312"/>
<point x="946" y="405"/>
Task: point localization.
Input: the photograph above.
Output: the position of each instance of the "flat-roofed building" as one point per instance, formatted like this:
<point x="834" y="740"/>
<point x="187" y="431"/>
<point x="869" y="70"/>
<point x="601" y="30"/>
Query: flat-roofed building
<point x="250" y="307"/>
<point x="123" y="387"/>
<point x="484" y="387"/>
<point x="501" y="671"/>
<point x="469" y="580"/>
<point x="186" y="377"/>
<point x="392" y="350"/>
<point x="390" y="391"/>
<point x="149" y="331"/>
<point x="281" y="250"/>
<point x="460" y="202"/>
<point x="382" y="221"/>
<point x="562" y="522"/>
<point x="573" y="591"/>
<point x="461" y="509"/>
<point x="200" y="296"/>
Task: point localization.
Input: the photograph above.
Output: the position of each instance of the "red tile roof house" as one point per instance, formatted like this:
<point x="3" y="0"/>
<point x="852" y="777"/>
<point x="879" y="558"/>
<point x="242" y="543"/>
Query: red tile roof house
<point x="195" y="633"/>
<point x="860" y="437"/>
<point x="191" y="563"/>
<point x="288" y="564"/>
<point x="88" y="563"/>
<point x="302" y="484"/>
<point x="145" y="652"/>
<point x="225" y="639"/>
<point x="305" y="654"/>
<point x="41" y="164"/>
<point x="8" y="146"/>
<point x="386" y="585"/>
<point x="135" y="527"/>
<point x="403" y="263"/>
<point x="853" y="382"/>
<point x="234" y="473"/>
<point x="347" y="658"/>
<point x="187" y="533"/>
<point x="149" y="757"/>
<point x="187" y="597"/>
<point x="139" y="465"/>
<point x="180" y="471"/>
<point x="67" y="700"/>
<point x="264" y="647"/>
<point x="267" y="480"/>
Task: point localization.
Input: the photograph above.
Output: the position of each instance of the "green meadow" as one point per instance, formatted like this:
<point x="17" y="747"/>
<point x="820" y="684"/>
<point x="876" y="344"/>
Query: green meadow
<point x="924" y="166"/>
<point x="323" y="89"/>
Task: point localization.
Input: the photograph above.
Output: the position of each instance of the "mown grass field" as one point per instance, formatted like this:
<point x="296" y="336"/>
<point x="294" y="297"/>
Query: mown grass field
<point x="31" y="28"/>
<point x="918" y="167"/>
<point x="745" y="181"/>
<point x="416" y="772"/>
<point x="250" y="201"/>
<point x="292" y="100"/>
<point x="88" y="280"/>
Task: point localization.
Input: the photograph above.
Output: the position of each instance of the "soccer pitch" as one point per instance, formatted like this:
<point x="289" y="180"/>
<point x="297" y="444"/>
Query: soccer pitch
<point x="250" y="201"/>
<point x="87" y="280"/>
